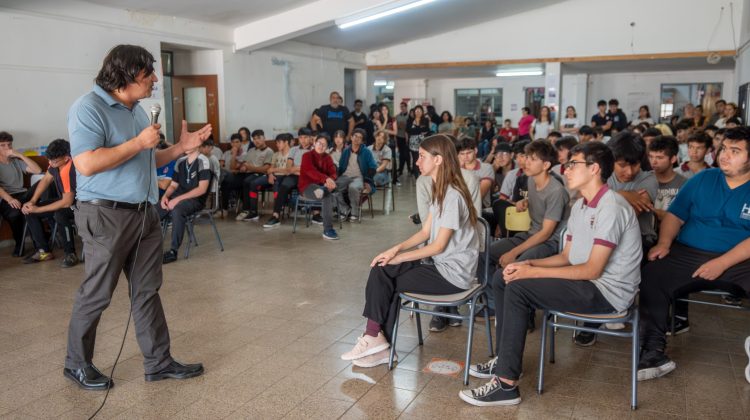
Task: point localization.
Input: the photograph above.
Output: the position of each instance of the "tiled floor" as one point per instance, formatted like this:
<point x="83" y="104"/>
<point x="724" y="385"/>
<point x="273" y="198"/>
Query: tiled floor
<point x="270" y="316"/>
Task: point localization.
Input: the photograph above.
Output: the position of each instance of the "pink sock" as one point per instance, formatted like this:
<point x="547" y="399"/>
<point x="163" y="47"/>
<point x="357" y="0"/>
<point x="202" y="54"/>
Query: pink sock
<point x="372" y="329"/>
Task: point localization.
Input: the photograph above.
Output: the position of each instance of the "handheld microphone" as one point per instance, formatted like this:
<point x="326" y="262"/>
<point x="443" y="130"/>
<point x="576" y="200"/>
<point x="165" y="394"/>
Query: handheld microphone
<point x="155" y="111"/>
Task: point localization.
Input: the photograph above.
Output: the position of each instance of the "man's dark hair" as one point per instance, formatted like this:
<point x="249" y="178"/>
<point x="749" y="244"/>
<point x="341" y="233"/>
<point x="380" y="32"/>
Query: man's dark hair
<point x="543" y="150"/>
<point x="566" y="143"/>
<point x="651" y="132"/>
<point x="122" y="65"/>
<point x="257" y="133"/>
<point x="721" y="132"/>
<point x="359" y="131"/>
<point x="466" y="143"/>
<point x="666" y="144"/>
<point x="601" y="102"/>
<point x="57" y="149"/>
<point x="627" y="146"/>
<point x="599" y="153"/>
<point x="711" y="127"/>
<point x="503" y="147"/>
<point x="702" y="138"/>
<point x="682" y="125"/>
<point x="235" y="136"/>
<point x="519" y="147"/>
<point x="304" y="131"/>
<point x="527" y="109"/>
<point x="720" y="101"/>
<point x="287" y="137"/>
<point x="6" y="137"/>
<point x="358" y="101"/>
<point x="739" y="134"/>
<point x="614" y="102"/>
<point x="208" y="142"/>
<point x="326" y="137"/>
<point x="733" y="120"/>
<point x="597" y="131"/>
<point x="586" y="130"/>
<point x="555" y="134"/>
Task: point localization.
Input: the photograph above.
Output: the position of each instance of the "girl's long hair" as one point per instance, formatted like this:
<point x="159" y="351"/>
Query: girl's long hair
<point x="449" y="173"/>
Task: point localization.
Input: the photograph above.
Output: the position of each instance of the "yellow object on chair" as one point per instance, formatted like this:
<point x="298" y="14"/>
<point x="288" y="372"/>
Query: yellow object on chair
<point x="515" y="221"/>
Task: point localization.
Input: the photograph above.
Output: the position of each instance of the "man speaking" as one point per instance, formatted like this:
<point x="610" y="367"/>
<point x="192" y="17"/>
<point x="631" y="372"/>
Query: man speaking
<point x="112" y="144"/>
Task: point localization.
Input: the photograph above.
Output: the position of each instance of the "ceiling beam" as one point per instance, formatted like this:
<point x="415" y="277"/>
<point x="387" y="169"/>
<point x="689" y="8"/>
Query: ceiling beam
<point x="591" y="58"/>
<point x="299" y="21"/>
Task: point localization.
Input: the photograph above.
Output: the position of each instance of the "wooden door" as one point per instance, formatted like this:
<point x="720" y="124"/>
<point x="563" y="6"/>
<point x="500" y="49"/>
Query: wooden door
<point x="195" y="99"/>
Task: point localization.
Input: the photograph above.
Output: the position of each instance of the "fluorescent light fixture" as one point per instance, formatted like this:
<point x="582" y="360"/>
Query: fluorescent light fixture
<point x="379" y="13"/>
<point x="380" y="83"/>
<point x="515" y="73"/>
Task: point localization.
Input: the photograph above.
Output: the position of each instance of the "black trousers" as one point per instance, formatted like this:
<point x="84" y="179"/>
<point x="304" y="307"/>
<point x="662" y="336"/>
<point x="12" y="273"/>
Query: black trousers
<point x="671" y="277"/>
<point x="179" y="216"/>
<point x="233" y="182"/>
<point x="282" y="189"/>
<point x="404" y="157"/>
<point x="64" y="218"/>
<point x="110" y="238"/>
<point x="515" y="300"/>
<point x="385" y="283"/>
<point x="414" y="168"/>
<point x="14" y="217"/>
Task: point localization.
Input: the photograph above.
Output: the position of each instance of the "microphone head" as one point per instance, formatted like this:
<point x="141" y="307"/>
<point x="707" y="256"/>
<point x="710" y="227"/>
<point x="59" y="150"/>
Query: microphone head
<point x="155" y="111"/>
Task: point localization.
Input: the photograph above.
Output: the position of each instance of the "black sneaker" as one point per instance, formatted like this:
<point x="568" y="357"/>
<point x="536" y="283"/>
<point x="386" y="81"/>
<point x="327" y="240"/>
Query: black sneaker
<point x="438" y="323"/>
<point x="317" y="219"/>
<point x="585" y="339"/>
<point x="272" y="222"/>
<point x="70" y="260"/>
<point x="654" y="364"/>
<point x="484" y="370"/>
<point x="169" y="256"/>
<point x="251" y="217"/>
<point x="492" y="393"/>
<point x="681" y="325"/>
<point x="415" y="219"/>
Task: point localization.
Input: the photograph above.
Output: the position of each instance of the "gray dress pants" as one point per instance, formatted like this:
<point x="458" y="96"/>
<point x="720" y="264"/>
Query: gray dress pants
<point x="110" y="238"/>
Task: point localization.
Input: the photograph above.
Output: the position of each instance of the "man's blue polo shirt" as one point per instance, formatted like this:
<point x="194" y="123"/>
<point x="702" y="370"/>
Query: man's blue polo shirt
<point x="97" y="120"/>
<point x="716" y="217"/>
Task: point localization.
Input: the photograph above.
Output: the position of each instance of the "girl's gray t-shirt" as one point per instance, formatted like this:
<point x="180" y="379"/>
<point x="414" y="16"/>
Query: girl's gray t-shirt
<point x="458" y="262"/>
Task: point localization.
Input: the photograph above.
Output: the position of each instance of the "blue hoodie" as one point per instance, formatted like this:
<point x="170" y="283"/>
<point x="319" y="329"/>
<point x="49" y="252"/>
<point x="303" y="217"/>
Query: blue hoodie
<point x="367" y="164"/>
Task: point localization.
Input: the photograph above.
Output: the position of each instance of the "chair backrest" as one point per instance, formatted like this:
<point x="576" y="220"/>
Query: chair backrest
<point x="515" y="221"/>
<point x="485" y="250"/>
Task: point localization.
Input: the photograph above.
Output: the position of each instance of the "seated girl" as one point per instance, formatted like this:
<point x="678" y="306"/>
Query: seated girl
<point x="317" y="181"/>
<point x="452" y="250"/>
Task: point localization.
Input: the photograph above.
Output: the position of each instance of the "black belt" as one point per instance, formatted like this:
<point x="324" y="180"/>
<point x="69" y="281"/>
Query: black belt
<point x="114" y="205"/>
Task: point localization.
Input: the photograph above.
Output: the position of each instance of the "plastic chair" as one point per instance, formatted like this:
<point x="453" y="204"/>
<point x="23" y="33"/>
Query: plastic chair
<point x="631" y="316"/>
<point x="475" y="297"/>
<point x="212" y="204"/>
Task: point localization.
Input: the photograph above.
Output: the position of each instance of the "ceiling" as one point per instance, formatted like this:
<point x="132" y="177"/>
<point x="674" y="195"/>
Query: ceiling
<point x="228" y="12"/>
<point x="422" y="22"/>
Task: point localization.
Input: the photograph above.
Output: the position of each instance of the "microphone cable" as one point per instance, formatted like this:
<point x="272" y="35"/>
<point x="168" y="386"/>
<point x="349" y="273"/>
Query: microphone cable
<point x="130" y="286"/>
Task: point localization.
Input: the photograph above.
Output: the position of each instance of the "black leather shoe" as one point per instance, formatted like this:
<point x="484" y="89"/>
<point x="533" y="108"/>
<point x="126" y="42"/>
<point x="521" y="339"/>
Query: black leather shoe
<point x="176" y="370"/>
<point x="89" y="378"/>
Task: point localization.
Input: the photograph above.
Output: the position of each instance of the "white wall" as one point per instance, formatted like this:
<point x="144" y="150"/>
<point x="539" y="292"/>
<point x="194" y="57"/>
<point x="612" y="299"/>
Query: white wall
<point x="743" y="61"/>
<point x="576" y="28"/>
<point x="635" y="89"/>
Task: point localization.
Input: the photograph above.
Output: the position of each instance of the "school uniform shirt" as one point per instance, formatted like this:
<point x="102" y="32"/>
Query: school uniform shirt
<point x="619" y="121"/>
<point x="11" y="176"/>
<point x="187" y="175"/>
<point x="485" y="171"/>
<point x="257" y="157"/>
<point x="458" y="261"/>
<point x="685" y="171"/>
<point x="716" y="218"/>
<point x="551" y="203"/>
<point x="599" y="120"/>
<point x="379" y="155"/>
<point x="295" y="155"/>
<point x="608" y="220"/>
<point x="227" y="158"/>
<point x="278" y="160"/>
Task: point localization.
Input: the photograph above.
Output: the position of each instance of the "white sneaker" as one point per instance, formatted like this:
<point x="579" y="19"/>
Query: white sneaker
<point x="747" y="350"/>
<point x="240" y="217"/>
<point x="319" y="193"/>
<point x="377" y="359"/>
<point x="366" y="345"/>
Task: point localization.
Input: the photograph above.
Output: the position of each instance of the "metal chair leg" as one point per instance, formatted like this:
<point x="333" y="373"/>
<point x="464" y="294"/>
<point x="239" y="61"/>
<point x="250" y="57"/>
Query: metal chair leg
<point x="216" y="232"/>
<point x="542" y="348"/>
<point x="635" y="356"/>
<point x="470" y="339"/>
<point x="551" y="347"/>
<point x="419" y="324"/>
<point x="394" y="335"/>
<point x="294" y="223"/>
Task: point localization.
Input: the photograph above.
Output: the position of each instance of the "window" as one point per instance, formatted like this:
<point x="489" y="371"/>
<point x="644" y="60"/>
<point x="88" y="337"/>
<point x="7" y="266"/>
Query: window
<point x="675" y="96"/>
<point x="480" y="104"/>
